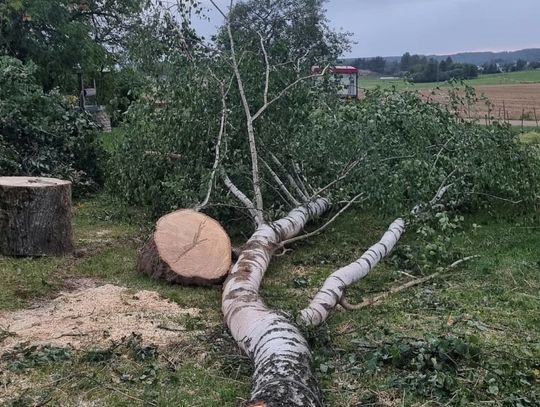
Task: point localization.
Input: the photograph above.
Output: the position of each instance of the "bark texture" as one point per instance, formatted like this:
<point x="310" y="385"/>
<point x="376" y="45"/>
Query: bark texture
<point x="189" y="248"/>
<point x="35" y="216"/>
<point x="281" y="357"/>
<point x="333" y="289"/>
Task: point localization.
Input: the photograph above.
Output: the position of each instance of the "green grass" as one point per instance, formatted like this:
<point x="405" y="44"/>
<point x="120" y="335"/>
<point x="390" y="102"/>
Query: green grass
<point x="511" y="78"/>
<point x="531" y="137"/>
<point x="112" y="140"/>
<point x="382" y="355"/>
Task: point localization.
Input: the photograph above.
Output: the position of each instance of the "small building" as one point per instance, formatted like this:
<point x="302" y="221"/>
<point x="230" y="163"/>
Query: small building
<point x="347" y="77"/>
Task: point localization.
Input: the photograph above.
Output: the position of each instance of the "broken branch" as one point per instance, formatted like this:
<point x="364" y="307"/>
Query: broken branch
<point x="382" y="296"/>
<point x="323" y="227"/>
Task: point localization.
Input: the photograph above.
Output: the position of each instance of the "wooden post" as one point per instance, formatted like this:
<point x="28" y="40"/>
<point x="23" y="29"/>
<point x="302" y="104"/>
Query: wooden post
<point x="35" y="216"/>
<point x="536" y="119"/>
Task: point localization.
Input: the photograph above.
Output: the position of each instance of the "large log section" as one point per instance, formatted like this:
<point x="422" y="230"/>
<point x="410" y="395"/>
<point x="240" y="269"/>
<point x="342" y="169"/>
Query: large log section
<point x="35" y="216"/>
<point x="188" y="247"/>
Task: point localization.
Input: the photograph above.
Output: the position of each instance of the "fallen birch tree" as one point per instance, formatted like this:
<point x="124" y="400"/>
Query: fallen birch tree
<point x="282" y="361"/>
<point x="285" y="152"/>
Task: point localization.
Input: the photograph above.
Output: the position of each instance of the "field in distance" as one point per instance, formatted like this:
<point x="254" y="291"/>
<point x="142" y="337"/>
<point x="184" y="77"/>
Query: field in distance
<point x="515" y="96"/>
<point x="511" y="78"/>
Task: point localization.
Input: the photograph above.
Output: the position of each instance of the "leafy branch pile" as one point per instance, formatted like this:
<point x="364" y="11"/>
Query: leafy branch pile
<point x="411" y="147"/>
<point x="399" y="147"/>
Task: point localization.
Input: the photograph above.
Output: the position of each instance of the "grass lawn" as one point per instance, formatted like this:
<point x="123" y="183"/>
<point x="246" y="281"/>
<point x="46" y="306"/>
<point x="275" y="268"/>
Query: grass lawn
<point x="511" y="78"/>
<point x="471" y="337"/>
<point x="113" y="139"/>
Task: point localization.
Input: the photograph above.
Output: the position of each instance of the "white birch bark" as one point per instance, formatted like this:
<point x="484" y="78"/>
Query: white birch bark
<point x="333" y="289"/>
<point x="281" y="185"/>
<point x="250" y="128"/>
<point x="280" y="354"/>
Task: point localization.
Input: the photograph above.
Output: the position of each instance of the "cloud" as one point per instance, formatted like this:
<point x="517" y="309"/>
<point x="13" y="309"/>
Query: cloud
<point x="391" y="27"/>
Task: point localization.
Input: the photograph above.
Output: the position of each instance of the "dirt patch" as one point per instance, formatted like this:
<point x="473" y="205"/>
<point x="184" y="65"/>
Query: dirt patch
<point x="92" y="316"/>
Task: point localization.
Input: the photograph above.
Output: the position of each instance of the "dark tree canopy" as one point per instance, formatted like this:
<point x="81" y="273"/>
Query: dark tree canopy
<point x="60" y="35"/>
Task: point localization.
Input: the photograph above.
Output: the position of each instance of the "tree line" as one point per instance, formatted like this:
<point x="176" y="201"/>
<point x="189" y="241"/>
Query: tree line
<point x="420" y="68"/>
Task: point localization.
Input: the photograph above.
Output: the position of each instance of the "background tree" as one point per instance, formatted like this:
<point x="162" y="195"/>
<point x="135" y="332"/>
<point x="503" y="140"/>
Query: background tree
<point x="490" y="68"/>
<point x="446" y="64"/>
<point x="59" y="35"/>
<point x="405" y="64"/>
<point x="521" y="65"/>
<point x="290" y="27"/>
<point x="377" y="64"/>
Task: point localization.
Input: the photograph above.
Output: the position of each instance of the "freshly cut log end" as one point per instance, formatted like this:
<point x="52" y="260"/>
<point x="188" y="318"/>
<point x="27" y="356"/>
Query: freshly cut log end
<point x="35" y="216"/>
<point x="189" y="248"/>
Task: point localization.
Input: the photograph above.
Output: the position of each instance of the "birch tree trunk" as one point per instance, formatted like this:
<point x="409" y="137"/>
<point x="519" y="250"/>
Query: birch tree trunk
<point x="333" y="289"/>
<point x="281" y="357"/>
<point x="187" y="247"/>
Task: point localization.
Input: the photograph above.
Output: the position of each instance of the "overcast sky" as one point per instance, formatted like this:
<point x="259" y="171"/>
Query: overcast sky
<point x="392" y="27"/>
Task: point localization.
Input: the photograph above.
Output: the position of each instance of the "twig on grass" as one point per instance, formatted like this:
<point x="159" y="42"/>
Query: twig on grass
<point x="382" y="296"/>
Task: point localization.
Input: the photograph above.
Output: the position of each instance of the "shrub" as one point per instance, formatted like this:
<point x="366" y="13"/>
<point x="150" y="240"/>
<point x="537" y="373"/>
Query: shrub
<point x="42" y="134"/>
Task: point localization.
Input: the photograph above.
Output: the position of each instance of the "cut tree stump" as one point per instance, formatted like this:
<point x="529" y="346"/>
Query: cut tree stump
<point x="188" y="247"/>
<point x="35" y="216"/>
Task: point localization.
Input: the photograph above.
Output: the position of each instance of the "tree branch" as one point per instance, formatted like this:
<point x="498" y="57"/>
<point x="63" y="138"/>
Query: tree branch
<point x="375" y="299"/>
<point x="249" y="122"/>
<point x="333" y="289"/>
<point x="282" y="186"/>
<point x="267" y="70"/>
<point x="242" y="198"/>
<point x="285" y="90"/>
<point x="217" y="158"/>
<point x="343" y="175"/>
<point x="291" y="180"/>
<point x="299" y="175"/>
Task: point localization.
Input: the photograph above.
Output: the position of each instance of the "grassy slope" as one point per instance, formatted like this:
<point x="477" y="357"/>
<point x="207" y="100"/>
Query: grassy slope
<point x="494" y="300"/>
<point x="511" y="78"/>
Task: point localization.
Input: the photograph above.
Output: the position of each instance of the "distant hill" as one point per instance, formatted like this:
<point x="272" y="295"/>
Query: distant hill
<point x="480" y="58"/>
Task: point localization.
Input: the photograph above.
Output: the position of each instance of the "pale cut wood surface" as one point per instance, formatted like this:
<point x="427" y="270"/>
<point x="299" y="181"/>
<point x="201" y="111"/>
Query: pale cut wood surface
<point x="188" y="247"/>
<point x="34" y="182"/>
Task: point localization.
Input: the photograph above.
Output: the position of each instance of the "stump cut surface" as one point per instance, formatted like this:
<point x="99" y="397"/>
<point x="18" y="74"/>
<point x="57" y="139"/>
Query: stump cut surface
<point x="32" y="182"/>
<point x="188" y="247"/>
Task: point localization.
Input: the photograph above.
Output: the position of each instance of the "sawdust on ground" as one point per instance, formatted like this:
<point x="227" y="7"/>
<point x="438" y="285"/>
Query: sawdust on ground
<point x="91" y="316"/>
